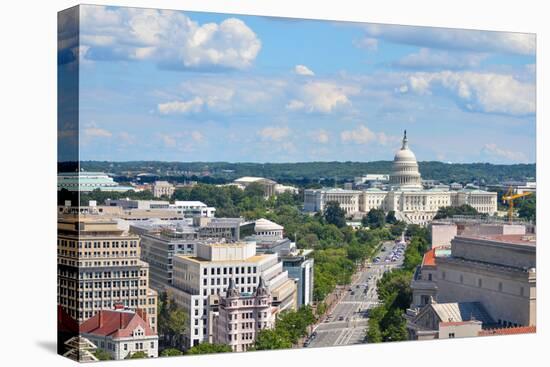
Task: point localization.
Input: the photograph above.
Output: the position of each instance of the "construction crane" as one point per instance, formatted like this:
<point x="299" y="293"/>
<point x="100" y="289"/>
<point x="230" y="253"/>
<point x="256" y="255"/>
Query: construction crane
<point x="510" y="197"/>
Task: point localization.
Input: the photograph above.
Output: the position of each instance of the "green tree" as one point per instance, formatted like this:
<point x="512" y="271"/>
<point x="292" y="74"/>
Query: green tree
<point x="397" y="228"/>
<point x="172" y="320"/>
<point x="171" y="352"/>
<point x="451" y="211"/>
<point x="335" y="215"/>
<point x="390" y="217"/>
<point x="527" y="208"/>
<point x="208" y="348"/>
<point x="375" y="218"/>
<point x="269" y="339"/>
<point x="255" y="190"/>
<point x="102" y="355"/>
<point x="136" y="355"/>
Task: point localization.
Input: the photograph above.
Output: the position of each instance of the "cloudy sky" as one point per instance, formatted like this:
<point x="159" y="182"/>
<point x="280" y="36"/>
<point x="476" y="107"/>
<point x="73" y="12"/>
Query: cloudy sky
<point x="186" y="86"/>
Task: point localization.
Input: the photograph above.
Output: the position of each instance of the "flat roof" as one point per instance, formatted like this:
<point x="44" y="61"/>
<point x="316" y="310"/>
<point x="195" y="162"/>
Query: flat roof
<point x="199" y="260"/>
<point x="518" y="239"/>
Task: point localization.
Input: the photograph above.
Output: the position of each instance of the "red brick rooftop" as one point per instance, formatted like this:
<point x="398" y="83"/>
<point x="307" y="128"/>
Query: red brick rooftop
<point x="509" y="331"/>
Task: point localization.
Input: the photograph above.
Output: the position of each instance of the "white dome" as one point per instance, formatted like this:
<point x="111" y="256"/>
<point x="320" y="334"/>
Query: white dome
<point x="405" y="173"/>
<point x="404" y="155"/>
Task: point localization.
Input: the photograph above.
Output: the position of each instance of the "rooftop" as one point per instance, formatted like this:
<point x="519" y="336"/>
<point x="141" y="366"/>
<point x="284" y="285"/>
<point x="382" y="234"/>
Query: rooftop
<point x="252" y="259"/>
<point x="266" y="225"/>
<point x="509" y="331"/>
<point x="250" y="179"/>
<point x="429" y="258"/>
<point x="118" y="324"/>
<point x="461" y="311"/>
<point x="517" y="239"/>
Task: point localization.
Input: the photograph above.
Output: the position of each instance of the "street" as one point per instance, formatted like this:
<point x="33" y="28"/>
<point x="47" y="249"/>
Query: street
<point x="347" y="323"/>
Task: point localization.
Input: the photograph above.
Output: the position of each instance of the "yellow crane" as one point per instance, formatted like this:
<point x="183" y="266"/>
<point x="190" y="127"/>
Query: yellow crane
<point x="510" y="197"/>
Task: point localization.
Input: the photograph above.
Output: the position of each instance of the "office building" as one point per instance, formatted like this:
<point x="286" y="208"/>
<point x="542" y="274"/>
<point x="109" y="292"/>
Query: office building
<point x="496" y="270"/>
<point x="200" y="279"/>
<point x="162" y="188"/>
<point x="241" y="316"/>
<point x="191" y="209"/>
<point x="99" y="266"/>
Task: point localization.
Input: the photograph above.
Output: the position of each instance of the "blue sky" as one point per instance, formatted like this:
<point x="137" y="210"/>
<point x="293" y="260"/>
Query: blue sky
<point x="186" y="86"/>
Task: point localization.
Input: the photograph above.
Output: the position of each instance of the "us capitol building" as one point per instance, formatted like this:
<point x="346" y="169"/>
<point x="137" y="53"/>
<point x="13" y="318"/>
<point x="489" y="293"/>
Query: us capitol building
<point x="405" y="195"/>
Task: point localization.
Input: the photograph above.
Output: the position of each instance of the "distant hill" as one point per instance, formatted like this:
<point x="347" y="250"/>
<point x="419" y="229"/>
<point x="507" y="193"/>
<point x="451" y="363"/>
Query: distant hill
<point x="309" y="172"/>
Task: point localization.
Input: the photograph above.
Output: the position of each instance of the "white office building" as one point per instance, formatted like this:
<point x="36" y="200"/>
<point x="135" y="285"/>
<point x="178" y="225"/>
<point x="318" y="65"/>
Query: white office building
<point x="198" y="282"/>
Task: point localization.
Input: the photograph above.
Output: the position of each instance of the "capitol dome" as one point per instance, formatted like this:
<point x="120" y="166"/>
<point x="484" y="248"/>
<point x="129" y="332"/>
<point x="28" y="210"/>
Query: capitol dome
<point x="405" y="173"/>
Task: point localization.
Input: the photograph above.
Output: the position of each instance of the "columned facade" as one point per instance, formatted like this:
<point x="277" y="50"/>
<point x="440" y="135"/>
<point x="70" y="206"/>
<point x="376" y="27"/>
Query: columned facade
<point x="405" y="195"/>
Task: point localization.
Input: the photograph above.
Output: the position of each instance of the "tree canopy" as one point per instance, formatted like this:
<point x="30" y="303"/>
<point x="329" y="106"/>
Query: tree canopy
<point x="375" y="218"/>
<point x="451" y="211"/>
<point x="334" y="214"/>
<point x="208" y="348"/>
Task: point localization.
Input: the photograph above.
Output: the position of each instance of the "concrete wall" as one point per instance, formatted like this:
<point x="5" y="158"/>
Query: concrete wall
<point x="494" y="252"/>
<point x="442" y="234"/>
<point x="462" y="330"/>
<point x="506" y="295"/>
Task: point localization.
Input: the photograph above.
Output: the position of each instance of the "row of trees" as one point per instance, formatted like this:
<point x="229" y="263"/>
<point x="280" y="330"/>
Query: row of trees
<point x="386" y="322"/>
<point x="289" y="328"/>
<point x="376" y="218"/>
<point x="451" y="211"/>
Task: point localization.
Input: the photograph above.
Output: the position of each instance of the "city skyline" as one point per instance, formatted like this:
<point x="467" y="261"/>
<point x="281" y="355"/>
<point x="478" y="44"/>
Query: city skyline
<point x="187" y="87"/>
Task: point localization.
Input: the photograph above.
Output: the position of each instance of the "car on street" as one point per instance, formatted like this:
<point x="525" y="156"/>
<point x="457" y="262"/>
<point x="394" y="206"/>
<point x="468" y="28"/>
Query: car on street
<point x="340" y="318"/>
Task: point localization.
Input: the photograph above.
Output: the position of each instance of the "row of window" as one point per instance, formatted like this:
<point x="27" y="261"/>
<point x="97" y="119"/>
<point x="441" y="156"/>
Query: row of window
<point x="113" y="274"/>
<point x="230" y="270"/>
<point x="218" y="281"/>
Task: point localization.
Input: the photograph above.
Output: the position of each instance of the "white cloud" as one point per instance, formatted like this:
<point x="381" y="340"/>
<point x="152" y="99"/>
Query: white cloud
<point x="274" y="133"/>
<point x="322" y="97"/>
<point x="455" y="39"/>
<point x="126" y="137"/>
<point x="168" y="140"/>
<point x="506" y="155"/>
<point x="320" y="136"/>
<point x="168" y="37"/>
<point x="427" y="59"/>
<point x="364" y="135"/>
<point x="295" y="105"/>
<point x="366" y="43"/>
<point x="226" y="94"/>
<point x="181" y="107"/>
<point x="480" y="92"/>
<point x="97" y="132"/>
<point x="303" y="70"/>
<point x="403" y="89"/>
<point x="197" y="136"/>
